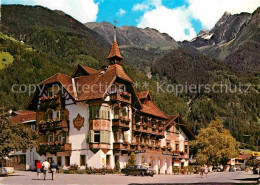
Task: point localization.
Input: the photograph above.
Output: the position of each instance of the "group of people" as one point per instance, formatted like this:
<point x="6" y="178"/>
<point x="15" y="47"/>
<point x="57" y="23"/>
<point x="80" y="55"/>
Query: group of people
<point x="204" y="170"/>
<point x="44" y="167"/>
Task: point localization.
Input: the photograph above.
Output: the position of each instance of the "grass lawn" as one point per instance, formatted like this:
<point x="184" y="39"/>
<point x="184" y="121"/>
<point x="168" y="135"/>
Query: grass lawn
<point x="5" y="59"/>
<point x="246" y="151"/>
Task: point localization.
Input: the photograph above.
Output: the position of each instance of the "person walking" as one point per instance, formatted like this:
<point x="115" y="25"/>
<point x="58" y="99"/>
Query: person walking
<point x="38" y="169"/>
<point x="206" y="170"/>
<point x="46" y="166"/>
<point x="202" y="171"/>
<point x="53" y="169"/>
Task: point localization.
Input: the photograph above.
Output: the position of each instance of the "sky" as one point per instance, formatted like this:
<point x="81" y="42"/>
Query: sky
<point x="181" y="19"/>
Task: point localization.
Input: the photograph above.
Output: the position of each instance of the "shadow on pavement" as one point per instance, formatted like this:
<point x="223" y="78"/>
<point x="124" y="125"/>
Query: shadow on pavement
<point x="249" y="179"/>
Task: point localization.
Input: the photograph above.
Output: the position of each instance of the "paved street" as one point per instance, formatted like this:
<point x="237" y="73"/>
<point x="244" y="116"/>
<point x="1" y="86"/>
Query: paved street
<point x="22" y="177"/>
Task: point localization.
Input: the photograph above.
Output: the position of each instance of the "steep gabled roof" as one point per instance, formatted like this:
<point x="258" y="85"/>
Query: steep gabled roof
<point x="23" y="116"/>
<point x="144" y="95"/>
<point x="177" y="120"/>
<point x="64" y="80"/>
<point x="150" y="108"/>
<point x="87" y="70"/>
<point x="100" y="82"/>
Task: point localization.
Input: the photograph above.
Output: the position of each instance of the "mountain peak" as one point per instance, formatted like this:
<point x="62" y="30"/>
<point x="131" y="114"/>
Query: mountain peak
<point x="131" y="36"/>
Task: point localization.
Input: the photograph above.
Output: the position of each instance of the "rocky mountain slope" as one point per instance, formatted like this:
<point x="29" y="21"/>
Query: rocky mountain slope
<point x="130" y="36"/>
<point x="234" y="39"/>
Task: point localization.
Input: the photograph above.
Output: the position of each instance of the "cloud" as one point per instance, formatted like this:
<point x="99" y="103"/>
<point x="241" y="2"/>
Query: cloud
<point x="209" y="11"/>
<point x="177" y="22"/>
<point x="146" y="5"/>
<point x="120" y="12"/>
<point x="82" y="10"/>
<point x="140" y="7"/>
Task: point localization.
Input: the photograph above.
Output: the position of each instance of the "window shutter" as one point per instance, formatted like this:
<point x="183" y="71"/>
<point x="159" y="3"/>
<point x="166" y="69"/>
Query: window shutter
<point x="91" y="136"/>
<point x="66" y="114"/>
<point x="90" y="112"/>
<point x="102" y="136"/>
<point x="108" y="137"/>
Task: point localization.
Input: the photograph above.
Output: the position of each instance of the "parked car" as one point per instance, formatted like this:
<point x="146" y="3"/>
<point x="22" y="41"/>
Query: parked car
<point x="138" y="170"/>
<point x="3" y="172"/>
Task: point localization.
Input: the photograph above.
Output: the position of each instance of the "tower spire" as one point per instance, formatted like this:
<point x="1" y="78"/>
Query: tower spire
<point x="114" y="33"/>
<point x="115" y="56"/>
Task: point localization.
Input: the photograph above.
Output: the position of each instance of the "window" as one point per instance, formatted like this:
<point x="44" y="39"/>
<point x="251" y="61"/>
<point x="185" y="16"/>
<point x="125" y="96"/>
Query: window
<point x="124" y="112"/>
<point x="116" y="112"/>
<point x="99" y="112"/>
<point x="96" y="136"/>
<point x="177" y="147"/>
<point x="102" y="136"/>
<point x="62" y="138"/>
<point x="168" y="144"/>
<point x="186" y="149"/>
<point x="67" y="160"/>
<point x="50" y="138"/>
<point x="58" y="115"/>
<point x="153" y="142"/>
<point x="82" y="160"/>
<point x="59" y="160"/>
<point x="49" y="115"/>
<point x="33" y="127"/>
<point x="107" y="160"/>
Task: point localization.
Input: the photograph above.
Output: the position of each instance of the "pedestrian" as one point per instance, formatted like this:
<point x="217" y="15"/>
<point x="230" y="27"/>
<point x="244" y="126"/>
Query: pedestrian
<point x="53" y="169"/>
<point x="38" y="169"/>
<point x="206" y="170"/>
<point x="46" y="166"/>
<point x="202" y="171"/>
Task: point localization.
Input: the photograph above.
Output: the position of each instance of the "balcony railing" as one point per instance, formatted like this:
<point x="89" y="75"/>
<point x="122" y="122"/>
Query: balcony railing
<point x="53" y="148"/>
<point x="148" y="130"/>
<point x="149" y="148"/>
<point x="123" y="146"/>
<point x="125" y="124"/>
<point x="53" y="125"/>
<point x="123" y="97"/>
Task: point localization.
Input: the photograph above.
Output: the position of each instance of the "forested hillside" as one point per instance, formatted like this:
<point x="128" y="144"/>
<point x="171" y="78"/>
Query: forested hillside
<point x="43" y="42"/>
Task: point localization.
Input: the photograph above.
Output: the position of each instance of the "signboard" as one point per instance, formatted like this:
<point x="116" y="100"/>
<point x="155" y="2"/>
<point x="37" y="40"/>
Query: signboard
<point x="140" y="151"/>
<point x="78" y="122"/>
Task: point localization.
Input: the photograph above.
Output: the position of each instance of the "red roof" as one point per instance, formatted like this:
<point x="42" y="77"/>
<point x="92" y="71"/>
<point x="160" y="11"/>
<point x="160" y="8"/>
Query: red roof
<point x="144" y="94"/>
<point x="114" y="52"/>
<point x="64" y="80"/>
<point x="91" y="86"/>
<point x="22" y="116"/>
<point x="245" y="156"/>
<point x="185" y="128"/>
<point x="88" y="70"/>
<point x="150" y="108"/>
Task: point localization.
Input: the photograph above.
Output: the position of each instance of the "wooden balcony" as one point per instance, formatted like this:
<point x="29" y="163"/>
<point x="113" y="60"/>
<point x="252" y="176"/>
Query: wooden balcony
<point x="53" y="125"/>
<point x="123" y="97"/>
<point x="148" y="130"/>
<point x="99" y="146"/>
<point x="122" y="146"/>
<point x="53" y="148"/>
<point x="123" y="124"/>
